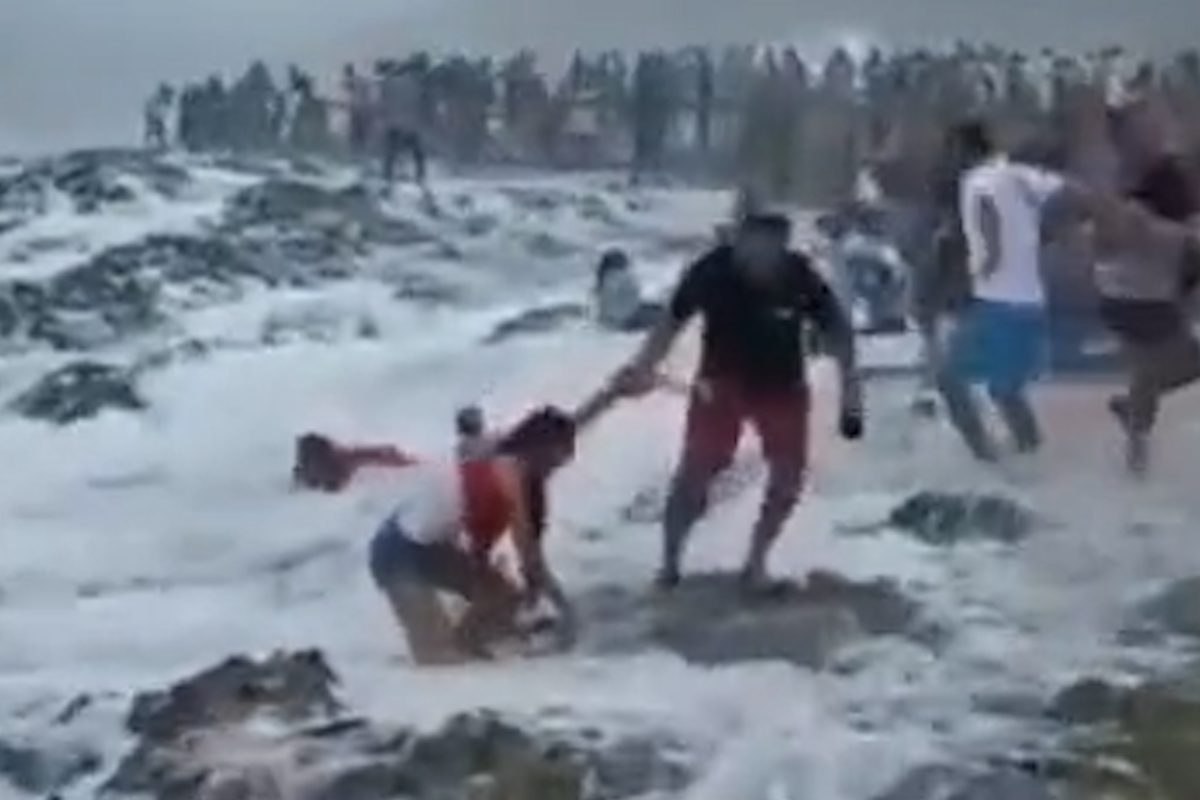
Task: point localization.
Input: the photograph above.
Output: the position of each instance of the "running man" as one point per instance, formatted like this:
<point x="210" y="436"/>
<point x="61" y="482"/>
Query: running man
<point x="451" y="516"/>
<point x="755" y="296"/>
<point x="999" y="341"/>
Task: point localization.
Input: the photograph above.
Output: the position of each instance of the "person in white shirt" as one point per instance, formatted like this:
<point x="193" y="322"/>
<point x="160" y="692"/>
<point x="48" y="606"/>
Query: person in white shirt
<point x="1000" y="339"/>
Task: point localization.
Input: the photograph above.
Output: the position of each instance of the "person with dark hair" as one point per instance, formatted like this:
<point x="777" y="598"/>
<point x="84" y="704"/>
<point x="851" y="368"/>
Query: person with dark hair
<point x="619" y="303"/>
<point x="326" y="466"/>
<point x="1000" y="338"/>
<point x="1144" y="280"/>
<point x="755" y="297"/>
<point x="448" y="522"/>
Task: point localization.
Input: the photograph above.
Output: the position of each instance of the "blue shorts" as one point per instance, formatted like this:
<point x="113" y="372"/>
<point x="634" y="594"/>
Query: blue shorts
<point x="1001" y="345"/>
<point x="395" y="557"/>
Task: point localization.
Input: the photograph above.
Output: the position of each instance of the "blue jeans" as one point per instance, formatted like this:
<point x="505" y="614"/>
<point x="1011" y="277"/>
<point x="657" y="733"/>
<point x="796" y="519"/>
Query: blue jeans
<point x="396" y="557"/>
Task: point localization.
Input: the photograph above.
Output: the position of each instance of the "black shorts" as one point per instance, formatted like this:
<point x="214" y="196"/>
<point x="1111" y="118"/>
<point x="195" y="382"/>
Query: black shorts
<point x="1143" y="323"/>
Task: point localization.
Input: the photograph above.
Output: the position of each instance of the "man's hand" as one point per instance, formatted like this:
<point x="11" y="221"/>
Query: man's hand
<point x="850" y="421"/>
<point x="850" y="424"/>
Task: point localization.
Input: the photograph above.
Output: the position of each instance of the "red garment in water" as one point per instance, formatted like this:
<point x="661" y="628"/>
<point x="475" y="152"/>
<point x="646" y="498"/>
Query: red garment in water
<point x="488" y="509"/>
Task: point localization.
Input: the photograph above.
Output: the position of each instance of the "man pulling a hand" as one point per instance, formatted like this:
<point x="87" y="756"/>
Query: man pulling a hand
<point x="755" y="297"/>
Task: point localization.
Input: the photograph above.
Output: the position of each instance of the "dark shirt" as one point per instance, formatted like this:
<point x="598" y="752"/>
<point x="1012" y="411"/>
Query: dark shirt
<point x="753" y="333"/>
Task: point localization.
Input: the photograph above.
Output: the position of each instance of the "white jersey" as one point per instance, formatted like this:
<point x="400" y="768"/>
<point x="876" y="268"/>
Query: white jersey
<point x="430" y="508"/>
<point x="1019" y="193"/>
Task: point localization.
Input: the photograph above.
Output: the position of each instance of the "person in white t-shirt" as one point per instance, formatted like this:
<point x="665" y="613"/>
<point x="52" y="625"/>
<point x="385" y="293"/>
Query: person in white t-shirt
<point x="1000" y="339"/>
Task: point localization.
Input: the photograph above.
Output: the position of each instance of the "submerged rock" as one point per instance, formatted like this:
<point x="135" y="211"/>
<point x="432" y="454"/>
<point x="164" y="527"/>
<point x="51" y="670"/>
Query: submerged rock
<point x="707" y="620"/>
<point x="1146" y="745"/>
<point x="1177" y="609"/>
<point x="949" y="783"/>
<point x="288" y="687"/>
<point x="1088" y="702"/>
<point x="200" y="741"/>
<point x="537" y="320"/>
<point x="946" y="519"/>
<point x="39" y="768"/>
<point x="79" y="391"/>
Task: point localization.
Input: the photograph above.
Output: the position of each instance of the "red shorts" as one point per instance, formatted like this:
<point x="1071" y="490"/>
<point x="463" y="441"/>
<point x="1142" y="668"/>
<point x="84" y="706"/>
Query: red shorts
<point x="719" y="411"/>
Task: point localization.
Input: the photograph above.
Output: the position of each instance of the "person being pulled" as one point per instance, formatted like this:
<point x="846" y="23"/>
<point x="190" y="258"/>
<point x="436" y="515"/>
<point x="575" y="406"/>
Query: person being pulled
<point x="754" y="296"/>
<point x="448" y="523"/>
<point x="324" y="465"/>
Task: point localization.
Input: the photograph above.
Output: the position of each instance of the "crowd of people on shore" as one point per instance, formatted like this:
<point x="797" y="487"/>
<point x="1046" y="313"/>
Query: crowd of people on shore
<point x="764" y="116"/>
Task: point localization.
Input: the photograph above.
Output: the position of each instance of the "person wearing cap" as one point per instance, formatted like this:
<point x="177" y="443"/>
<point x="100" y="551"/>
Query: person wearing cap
<point x="755" y="297"/>
<point x="470" y="430"/>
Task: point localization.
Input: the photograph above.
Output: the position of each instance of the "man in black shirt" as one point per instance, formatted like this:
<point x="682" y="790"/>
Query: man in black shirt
<point x="754" y="296"/>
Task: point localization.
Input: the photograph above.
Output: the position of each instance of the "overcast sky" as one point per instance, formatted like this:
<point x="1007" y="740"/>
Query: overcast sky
<point x="73" y="72"/>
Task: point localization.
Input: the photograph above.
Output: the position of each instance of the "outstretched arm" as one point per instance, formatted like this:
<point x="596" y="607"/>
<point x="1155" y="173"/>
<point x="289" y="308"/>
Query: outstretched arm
<point x="639" y="375"/>
<point x="597" y="406"/>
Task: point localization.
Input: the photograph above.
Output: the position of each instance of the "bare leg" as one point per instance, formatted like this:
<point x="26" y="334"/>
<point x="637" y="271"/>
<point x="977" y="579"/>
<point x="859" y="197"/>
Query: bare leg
<point x="425" y="623"/>
<point x="783" y="492"/>
<point x="687" y="503"/>
<point x="491" y="614"/>
<point x="964" y="415"/>
<point x="713" y="429"/>
<point x="1020" y="418"/>
<point x="782" y="425"/>
<point x="1154" y="372"/>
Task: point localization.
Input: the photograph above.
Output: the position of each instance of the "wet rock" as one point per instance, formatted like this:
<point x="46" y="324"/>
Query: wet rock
<point x="594" y="208"/>
<point x="426" y="290"/>
<point x="1147" y="748"/>
<point x="79" y="391"/>
<point x="1003" y="785"/>
<point x="544" y="245"/>
<point x="289" y="221"/>
<point x="40" y="768"/>
<point x="1177" y="609"/>
<point x="535" y="199"/>
<point x="537" y="320"/>
<point x="707" y="620"/>
<point x="949" y="783"/>
<point x="124" y="288"/>
<point x="289" y="687"/>
<point x="72" y="710"/>
<point x="925" y="783"/>
<point x="946" y="519"/>
<point x="1088" y="702"/>
<point x="91" y="180"/>
<point x="289" y="201"/>
<point x="203" y="740"/>
<point x="480" y="224"/>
